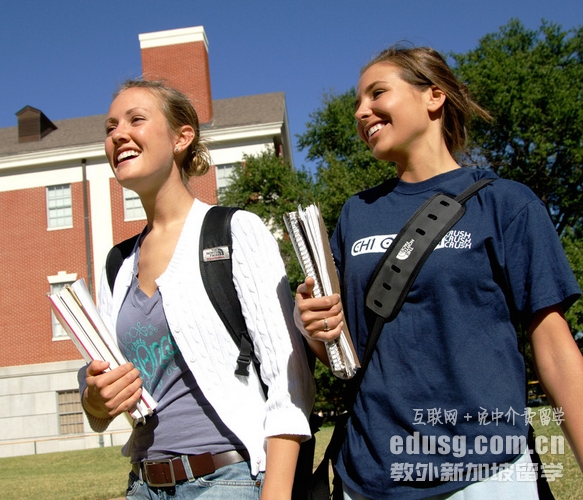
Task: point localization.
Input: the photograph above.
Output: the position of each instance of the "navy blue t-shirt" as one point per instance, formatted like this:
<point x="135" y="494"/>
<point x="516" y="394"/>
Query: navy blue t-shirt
<point x="446" y="384"/>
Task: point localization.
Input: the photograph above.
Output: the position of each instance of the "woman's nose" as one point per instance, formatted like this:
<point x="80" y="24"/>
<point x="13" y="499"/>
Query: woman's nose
<point x="362" y="112"/>
<point x="119" y="135"/>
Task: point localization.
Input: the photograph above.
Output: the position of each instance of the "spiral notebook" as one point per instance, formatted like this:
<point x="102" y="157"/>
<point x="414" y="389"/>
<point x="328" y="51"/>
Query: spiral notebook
<point x="310" y="240"/>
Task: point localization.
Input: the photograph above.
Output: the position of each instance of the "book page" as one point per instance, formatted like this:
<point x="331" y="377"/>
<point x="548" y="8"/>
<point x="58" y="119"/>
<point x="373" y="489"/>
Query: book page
<point x="75" y="310"/>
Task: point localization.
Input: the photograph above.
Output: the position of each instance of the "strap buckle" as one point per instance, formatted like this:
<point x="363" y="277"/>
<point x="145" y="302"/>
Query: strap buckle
<point x="166" y="470"/>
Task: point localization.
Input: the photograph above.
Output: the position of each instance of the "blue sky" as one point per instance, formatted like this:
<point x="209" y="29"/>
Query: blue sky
<point x="67" y="57"/>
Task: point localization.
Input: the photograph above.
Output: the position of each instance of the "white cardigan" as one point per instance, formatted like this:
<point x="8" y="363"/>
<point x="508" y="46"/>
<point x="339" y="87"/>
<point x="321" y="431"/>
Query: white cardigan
<point x="208" y="349"/>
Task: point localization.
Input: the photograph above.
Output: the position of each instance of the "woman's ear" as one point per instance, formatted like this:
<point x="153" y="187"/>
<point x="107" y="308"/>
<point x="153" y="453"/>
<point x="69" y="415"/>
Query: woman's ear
<point x="436" y="98"/>
<point x="185" y="137"/>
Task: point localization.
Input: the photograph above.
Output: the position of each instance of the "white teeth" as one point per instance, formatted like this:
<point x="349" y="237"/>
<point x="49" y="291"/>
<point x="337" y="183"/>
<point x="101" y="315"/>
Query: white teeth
<point x="374" y="128"/>
<point x="127" y="154"/>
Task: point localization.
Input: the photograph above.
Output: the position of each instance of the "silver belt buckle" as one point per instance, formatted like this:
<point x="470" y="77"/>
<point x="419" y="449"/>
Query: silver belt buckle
<point x="150" y="482"/>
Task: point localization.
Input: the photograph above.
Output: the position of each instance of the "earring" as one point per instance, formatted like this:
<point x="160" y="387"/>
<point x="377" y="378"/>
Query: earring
<point x="176" y="150"/>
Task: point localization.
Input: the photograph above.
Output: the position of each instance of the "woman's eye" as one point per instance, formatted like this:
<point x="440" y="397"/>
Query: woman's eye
<point x="137" y="119"/>
<point x="376" y="93"/>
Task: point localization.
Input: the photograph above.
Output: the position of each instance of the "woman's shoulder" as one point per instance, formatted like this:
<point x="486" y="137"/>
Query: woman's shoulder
<point x="240" y="219"/>
<point x="249" y="230"/>
<point x="507" y="192"/>
<point x="244" y="219"/>
<point x="510" y="202"/>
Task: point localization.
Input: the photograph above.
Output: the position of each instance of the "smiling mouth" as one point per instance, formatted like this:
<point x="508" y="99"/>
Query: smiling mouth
<point x="126" y="155"/>
<point x="373" y="129"/>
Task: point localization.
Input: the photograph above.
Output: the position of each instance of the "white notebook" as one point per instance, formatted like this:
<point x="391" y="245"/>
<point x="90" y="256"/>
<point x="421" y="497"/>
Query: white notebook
<point x="74" y="308"/>
<point x="310" y="240"/>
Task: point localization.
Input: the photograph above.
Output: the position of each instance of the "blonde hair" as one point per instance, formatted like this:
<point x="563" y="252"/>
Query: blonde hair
<point x="423" y="67"/>
<point x="178" y="111"/>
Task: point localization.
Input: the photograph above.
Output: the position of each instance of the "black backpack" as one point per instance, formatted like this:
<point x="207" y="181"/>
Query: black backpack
<point x="216" y="269"/>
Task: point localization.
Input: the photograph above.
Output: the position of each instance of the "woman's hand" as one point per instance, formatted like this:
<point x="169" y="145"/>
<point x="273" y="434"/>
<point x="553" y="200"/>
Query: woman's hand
<point x="318" y="318"/>
<point x="110" y="393"/>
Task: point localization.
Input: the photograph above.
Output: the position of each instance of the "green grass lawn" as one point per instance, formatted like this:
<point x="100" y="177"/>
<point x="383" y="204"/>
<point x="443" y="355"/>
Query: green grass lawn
<point x="97" y="474"/>
<point x="570" y="485"/>
<point x="101" y="473"/>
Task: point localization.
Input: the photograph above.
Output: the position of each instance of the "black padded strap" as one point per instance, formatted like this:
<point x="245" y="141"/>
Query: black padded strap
<point x="395" y="273"/>
<point x="216" y="269"/>
<point x="116" y="256"/>
<point x="399" y="266"/>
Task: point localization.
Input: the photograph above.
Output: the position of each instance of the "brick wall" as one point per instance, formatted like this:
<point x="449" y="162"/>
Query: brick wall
<point x="185" y="67"/>
<point x="28" y="254"/>
<point x="205" y="187"/>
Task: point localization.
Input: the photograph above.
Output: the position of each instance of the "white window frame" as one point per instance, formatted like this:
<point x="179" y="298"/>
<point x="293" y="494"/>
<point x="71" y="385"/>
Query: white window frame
<point x="57" y="282"/>
<point x="224" y="171"/>
<point x="59" y="207"/>
<point x="132" y="206"/>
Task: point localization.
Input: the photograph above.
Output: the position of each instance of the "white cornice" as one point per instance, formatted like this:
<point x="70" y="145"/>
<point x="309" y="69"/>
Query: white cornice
<point x="173" y="37"/>
<point x="60" y="155"/>
<point x="240" y="133"/>
<point x="213" y="137"/>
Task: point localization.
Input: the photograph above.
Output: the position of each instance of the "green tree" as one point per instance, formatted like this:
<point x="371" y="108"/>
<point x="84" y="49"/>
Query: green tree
<point x="329" y="391"/>
<point x="573" y="244"/>
<point x="530" y="81"/>
<point x="344" y="163"/>
<point x="268" y="186"/>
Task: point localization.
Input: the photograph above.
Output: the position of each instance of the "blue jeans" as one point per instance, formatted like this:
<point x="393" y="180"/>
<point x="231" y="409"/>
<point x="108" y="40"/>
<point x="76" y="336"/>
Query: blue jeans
<point x="232" y="482"/>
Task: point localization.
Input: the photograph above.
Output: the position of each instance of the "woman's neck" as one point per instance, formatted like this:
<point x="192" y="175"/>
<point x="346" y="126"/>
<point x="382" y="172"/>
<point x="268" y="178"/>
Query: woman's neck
<point x="426" y="163"/>
<point x="413" y="173"/>
<point x="168" y="207"/>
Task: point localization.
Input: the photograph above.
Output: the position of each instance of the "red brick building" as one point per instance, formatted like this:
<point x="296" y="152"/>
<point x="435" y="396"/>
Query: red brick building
<point x="61" y="212"/>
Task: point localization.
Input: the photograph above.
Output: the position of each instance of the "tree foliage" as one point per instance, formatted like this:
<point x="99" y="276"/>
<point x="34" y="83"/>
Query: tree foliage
<point x="268" y="186"/>
<point x="344" y="163"/>
<point x="530" y="80"/>
<point x="572" y="242"/>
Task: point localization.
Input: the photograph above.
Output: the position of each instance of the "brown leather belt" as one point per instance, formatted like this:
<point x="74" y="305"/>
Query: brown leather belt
<point x="165" y="473"/>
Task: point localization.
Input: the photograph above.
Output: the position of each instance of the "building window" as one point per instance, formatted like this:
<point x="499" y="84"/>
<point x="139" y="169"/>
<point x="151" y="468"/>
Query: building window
<point x="59" y="207"/>
<point x="132" y="206"/>
<point x="57" y="283"/>
<point x="70" y="412"/>
<point x="224" y="173"/>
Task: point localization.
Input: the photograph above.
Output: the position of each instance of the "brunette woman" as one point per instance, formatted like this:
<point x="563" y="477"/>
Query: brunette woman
<point x="446" y="383"/>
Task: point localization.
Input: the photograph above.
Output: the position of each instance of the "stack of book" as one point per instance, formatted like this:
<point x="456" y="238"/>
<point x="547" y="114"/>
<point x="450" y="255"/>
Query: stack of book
<point x="73" y="306"/>
<point x="310" y="240"/>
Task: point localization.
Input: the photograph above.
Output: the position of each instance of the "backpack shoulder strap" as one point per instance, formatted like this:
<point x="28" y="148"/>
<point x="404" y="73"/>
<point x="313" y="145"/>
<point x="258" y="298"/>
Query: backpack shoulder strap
<point x="399" y="266"/>
<point x="216" y="269"/>
<point x="116" y="256"/>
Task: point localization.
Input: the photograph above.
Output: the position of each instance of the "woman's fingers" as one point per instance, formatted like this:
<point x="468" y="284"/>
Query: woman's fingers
<point x="321" y="317"/>
<point x="113" y="391"/>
